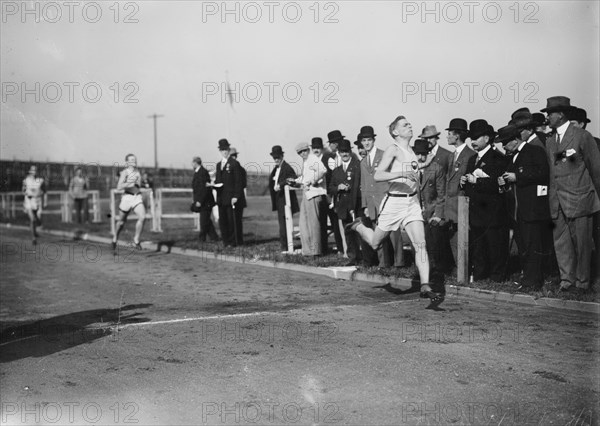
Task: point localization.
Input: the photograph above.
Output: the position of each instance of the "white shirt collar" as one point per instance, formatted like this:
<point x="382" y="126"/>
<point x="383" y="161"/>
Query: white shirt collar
<point x="531" y="137"/>
<point x="562" y="129"/>
<point x="434" y="150"/>
<point x="459" y="149"/>
<point x="481" y="153"/>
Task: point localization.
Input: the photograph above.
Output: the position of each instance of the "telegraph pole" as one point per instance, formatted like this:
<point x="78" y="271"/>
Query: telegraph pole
<point x="154" y="117"/>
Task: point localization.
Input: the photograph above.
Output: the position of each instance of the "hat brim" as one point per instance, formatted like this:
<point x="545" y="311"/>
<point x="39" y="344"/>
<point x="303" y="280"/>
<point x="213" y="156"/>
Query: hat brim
<point x="458" y="128"/>
<point x="435" y="135"/>
<point x="477" y="135"/>
<point x="557" y="109"/>
<point x="366" y="135"/>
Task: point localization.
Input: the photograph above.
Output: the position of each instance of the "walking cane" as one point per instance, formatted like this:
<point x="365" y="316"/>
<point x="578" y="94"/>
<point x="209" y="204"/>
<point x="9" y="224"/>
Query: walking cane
<point x="235" y="235"/>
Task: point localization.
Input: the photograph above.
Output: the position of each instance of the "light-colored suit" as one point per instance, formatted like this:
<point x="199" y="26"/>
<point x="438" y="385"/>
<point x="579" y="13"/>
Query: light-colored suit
<point x="573" y="195"/>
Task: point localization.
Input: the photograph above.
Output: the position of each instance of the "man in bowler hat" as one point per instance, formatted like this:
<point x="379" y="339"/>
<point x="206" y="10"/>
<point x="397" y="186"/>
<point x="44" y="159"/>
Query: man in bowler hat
<point x="230" y="197"/>
<point x="488" y="219"/>
<point x="203" y="200"/>
<point x="458" y="132"/>
<point x="277" y="181"/>
<point x="574" y="161"/>
<point x="522" y="119"/>
<point x="345" y="191"/>
<point x="526" y="185"/>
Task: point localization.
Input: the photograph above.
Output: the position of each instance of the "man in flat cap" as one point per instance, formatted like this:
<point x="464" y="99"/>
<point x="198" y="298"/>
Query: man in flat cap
<point x="488" y="220"/>
<point x="458" y="132"/>
<point x="372" y="193"/>
<point x="345" y="191"/>
<point x="574" y="161"/>
<point x="278" y="179"/>
<point x="526" y="184"/>
<point x="230" y="196"/>
<point x="314" y="200"/>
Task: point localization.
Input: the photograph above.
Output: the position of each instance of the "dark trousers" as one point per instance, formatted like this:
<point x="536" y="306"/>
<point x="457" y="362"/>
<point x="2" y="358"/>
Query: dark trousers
<point x="82" y="204"/>
<point x="335" y="226"/>
<point x="532" y="252"/>
<point x="434" y="238"/>
<point x="282" y="227"/>
<point x="488" y="252"/>
<point x="207" y="228"/>
<point x="230" y="222"/>
<point x="323" y="212"/>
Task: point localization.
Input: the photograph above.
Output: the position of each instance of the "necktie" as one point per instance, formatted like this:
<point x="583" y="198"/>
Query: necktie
<point x="557" y="137"/>
<point x="369" y="160"/>
<point x="454" y="158"/>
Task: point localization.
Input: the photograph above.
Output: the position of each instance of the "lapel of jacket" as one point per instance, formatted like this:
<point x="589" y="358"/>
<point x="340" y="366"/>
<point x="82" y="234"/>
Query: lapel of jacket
<point x="376" y="159"/>
<point x="567" y="139"/>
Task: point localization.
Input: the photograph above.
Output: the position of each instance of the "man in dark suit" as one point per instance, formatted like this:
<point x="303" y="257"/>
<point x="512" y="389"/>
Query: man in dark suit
<point x="488" y="219"/>
<point x="230" y="197"/>
<point x="574" y="187"/>
<point x="327" y="209"/>
<point x="432" y="187"/>
<point x="541" y="127"/>
<point x="391" y="252"/>
<point x="233" y="153"/>
<point x="345" y="190"/>
<point x="526" y="185"/>
<point x="277" y="181"/>
<point x="203" y="200"/>
<point x="457" y="136"/>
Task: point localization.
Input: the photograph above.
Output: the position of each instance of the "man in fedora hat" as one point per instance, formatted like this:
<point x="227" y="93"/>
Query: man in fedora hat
<point x="432" y="187"/>
<point x="230" y="196"/>
<point x="345" y="191"/>
<point x="203" y="200"/>
<point x="437" y="154"/>
<point x="278" y="179"/>
<point x="579" y="118"/>
<point x="457" y="136"/>
<point x="574" y="161"/>
<point x="488" y="221"/>
<point x="314" y="202"/>
<point x="401" y="206"/>
<point x="526" y="183"/>
<point x="372" y="193"/>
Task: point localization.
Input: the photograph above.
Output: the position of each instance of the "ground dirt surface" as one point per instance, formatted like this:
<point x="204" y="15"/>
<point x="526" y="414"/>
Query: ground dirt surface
<point x="89" y="337"/>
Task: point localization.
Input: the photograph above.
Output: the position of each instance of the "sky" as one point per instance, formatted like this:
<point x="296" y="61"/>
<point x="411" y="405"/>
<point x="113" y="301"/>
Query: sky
<point x="80" y="80"/>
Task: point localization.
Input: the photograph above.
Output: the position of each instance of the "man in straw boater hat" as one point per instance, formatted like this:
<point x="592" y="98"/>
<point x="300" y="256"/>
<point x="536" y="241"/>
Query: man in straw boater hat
<point x="344" y="188"/>
<point x="458" y="132"/>
<point x="314" y="195"/>
<point x="400" y="206"/>
<point x="526" y="182"/>
<point x="574" y="161"/>
<point x="488" y="220"/>
<point x="277" y="182"/>
<point x="432" y="188"/>
<point x="230" y="196"/>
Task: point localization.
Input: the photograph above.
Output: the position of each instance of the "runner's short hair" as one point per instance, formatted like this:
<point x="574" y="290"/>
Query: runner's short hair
<point x="393" y="124"/>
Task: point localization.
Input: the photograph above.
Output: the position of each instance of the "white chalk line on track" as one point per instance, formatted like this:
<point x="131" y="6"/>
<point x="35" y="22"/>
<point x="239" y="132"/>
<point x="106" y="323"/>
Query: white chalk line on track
<point x="118" y="327"/>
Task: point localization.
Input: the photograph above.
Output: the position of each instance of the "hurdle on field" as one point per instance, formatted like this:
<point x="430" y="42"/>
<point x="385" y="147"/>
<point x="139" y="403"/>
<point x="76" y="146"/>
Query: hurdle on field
<point x="159" y="208"/>
<point x="114" y="207"/>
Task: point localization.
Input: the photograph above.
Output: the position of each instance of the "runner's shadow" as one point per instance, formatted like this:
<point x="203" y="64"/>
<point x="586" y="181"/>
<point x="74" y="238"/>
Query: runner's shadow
<point x="48" y="336"/>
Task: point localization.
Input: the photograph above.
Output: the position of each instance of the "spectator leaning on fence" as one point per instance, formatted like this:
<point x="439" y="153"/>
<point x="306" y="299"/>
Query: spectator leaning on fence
<point x="78" y="190"/>
<point x="34" y="189"/>
<point x="312" y="180"/>
<point x="277" y="181"/>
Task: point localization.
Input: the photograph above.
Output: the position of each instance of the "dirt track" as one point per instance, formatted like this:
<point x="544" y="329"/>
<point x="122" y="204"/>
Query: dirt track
<point x="208" y="342"/>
